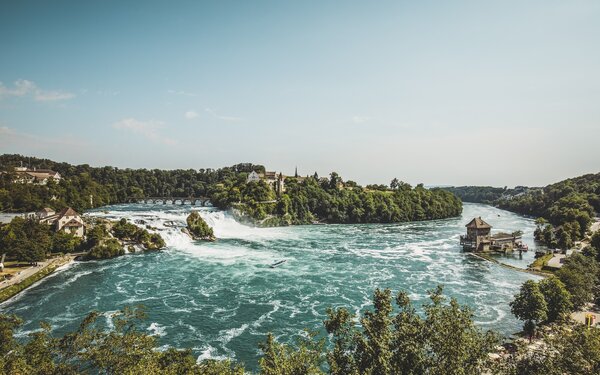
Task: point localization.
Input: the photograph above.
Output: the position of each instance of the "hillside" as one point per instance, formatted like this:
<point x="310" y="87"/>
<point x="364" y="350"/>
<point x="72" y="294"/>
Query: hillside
<point x="572" y="203"/>
<point x="305" y="199"/>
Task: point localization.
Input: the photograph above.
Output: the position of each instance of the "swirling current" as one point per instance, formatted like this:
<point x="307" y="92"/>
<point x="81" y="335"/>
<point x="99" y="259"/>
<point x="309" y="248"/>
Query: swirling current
<point x="222" y="298"/>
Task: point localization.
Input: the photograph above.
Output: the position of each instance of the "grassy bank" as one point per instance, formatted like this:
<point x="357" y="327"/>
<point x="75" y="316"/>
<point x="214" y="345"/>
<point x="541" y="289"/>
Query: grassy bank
<point x="490" y="258"/>
<point x="541" y="262"/>
<point x="12" y="290"/>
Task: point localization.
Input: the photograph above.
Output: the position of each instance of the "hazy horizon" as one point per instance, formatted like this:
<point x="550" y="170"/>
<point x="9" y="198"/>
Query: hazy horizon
<point x="468" y="93"/>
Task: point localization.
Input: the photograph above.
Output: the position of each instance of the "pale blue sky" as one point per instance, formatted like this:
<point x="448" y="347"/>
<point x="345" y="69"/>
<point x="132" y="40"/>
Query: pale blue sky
<point x="440" y="92"/>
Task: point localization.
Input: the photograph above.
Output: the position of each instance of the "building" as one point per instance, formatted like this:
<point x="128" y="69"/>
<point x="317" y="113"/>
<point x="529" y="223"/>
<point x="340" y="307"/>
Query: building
<point x="44" y="213"/>
<point x="480" y="239"/>
<point x="253" y="177"/>
<point x="35" y="176"/>
<point x="478" y="236"/>
<point x="67" y="220"/>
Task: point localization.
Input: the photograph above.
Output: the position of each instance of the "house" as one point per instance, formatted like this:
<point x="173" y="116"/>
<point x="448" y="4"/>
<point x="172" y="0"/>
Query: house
<point x="67" y="220"/>
<point x="478" y="236"/>
<point x="480" y="239"/>
<point x="253" y="177"/>
<point x="24" y="175"/>
<point x="44" y="213"/>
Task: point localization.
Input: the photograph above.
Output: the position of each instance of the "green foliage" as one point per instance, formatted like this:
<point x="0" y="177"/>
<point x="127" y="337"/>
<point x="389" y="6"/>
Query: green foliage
<point x="570" y="204"/>
<point x="326" y="199"/>
<point x="320" y="200"/>
<point x="63" y="242"/>
<point x="482" y="194"/>
<point x="108" y="248"/>
<point x="569" y="351"/>
<point x="107" y="185"/>
<point x="557" y="297"/>
<point x="446" y="341"/>
<point x="126" y="231"/>
<point x="198" y="227"/>
<point x="530" y="306"/>
<point x="580" y="277"/>
<point x="279" y="359"/>
<point x="14" y="289"/>
<point x="124" y="349"/>
<point x="26" y="240"/>
<point x="595" y="241"/>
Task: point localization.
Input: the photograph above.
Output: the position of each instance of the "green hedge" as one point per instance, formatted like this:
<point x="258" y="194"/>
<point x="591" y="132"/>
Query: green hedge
<point x="12" y="290"/>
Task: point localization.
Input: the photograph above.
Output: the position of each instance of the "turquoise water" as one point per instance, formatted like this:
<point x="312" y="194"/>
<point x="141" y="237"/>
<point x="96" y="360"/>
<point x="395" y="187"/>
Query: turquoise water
<point x="222" y="298"/>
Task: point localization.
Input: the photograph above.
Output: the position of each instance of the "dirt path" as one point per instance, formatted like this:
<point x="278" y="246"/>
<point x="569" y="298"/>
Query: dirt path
<point x="24" y="274"/>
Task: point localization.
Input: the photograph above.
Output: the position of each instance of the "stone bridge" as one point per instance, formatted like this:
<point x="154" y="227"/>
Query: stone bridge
<point x="201" y="201"/>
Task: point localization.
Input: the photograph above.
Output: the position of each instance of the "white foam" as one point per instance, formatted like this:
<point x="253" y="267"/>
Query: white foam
<point x="157" y="330"/>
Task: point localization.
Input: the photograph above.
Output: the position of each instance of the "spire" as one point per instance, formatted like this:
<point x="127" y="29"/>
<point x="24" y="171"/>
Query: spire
<point x="296" y="172"/>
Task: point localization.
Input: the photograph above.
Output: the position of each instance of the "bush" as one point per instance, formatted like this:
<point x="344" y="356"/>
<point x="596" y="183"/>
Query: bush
<point x="198" y="228"/>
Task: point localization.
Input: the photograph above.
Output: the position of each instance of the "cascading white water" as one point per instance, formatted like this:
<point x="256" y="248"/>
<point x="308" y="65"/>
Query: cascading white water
<point x="221" y="298"/>
<point x="228" y="231"/>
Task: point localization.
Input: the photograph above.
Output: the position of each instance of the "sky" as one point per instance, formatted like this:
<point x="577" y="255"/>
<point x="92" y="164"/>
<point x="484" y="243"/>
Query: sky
<point x="497" y="93"/>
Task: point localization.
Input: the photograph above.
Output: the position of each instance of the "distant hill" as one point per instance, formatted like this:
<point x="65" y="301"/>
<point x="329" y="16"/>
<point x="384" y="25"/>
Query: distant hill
<point x="486" y="194"/>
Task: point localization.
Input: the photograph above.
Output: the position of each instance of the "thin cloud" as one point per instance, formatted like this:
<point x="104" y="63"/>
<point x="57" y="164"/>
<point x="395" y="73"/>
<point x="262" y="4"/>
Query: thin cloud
<point x="360" y="119"/>
<point x="181" y="92"/>
<point x="11" y="137"/>
<point x="190" y="115"/>
<point x="25" y="88"/>
<point x="147" y="129"/>
<point x="221" y="117"/>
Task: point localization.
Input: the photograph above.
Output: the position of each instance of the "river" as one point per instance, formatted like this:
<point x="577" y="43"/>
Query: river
<point x="221" y="298"/>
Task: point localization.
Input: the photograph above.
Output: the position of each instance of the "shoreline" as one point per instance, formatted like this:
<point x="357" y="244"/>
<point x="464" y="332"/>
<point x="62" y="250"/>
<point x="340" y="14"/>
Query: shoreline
<point x="511" y="267"/>
<point x="15" y="287"/>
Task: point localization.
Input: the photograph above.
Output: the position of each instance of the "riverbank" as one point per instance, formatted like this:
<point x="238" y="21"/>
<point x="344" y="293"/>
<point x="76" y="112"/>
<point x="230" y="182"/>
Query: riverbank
<point x="489" y="258"/>
<point x="26" y="278"/>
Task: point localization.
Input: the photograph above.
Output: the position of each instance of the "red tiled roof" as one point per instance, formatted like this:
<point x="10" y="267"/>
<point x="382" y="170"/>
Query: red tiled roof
<point x="478" y="223"/>
<point x="67" y="212"/>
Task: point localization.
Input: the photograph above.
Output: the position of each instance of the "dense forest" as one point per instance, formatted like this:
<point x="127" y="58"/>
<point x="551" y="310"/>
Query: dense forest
<point x="484" y="194"/>
<point x="326" y="199"/>
<point x="568" y="207"/>
<point x="565" y="209"/>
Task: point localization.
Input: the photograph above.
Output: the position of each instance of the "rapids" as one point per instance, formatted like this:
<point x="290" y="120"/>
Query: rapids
<point x="221" y="298"/>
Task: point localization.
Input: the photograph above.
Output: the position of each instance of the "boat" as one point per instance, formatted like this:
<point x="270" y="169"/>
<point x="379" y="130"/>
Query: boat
<point x="278" y="263"/>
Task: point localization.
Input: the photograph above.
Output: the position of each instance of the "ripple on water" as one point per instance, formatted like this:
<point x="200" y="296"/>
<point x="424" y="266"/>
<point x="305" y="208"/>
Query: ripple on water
<point x="221" y="298"/>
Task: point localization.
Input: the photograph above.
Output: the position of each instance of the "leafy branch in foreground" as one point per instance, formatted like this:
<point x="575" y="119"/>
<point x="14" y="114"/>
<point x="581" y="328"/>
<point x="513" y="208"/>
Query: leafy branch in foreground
<point x="444" y="341"/>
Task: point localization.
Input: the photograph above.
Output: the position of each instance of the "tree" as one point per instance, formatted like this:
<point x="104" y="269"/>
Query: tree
<point x="580" y="277"/>
<point x="446" y="341"/>
<point x="123" y="349"/>
<point x="557" y="297"/>
<point x="563" y="239"/>
<point x="395" y="184"/>
<point x="530" y="306"/>
<point x="198" y="228"/>
<point x="573" y="351"/>
<point x="281" y="359"/>
<point x="65" y="242"/>
<point x="595" y="240"/>
<point x="25" y="239"/>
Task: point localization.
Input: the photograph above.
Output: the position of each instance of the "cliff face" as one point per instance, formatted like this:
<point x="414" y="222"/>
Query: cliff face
<point x="198" y="229"/>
